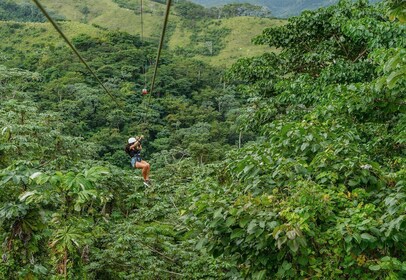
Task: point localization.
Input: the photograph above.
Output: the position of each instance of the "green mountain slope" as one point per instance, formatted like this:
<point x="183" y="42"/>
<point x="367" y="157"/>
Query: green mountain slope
<point x="207" y="45"/>
<point x="230" y="38"/>
<point x="279" y="8"/>
<point x="108" y="14"/>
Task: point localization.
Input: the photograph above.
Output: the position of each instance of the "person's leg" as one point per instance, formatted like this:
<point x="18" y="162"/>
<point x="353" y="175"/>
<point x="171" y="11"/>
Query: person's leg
<point x="145" y="168"/>
<point x="149" y="168"/>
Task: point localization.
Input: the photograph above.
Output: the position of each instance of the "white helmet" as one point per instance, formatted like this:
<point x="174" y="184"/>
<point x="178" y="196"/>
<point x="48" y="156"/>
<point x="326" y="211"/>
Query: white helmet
<point x="131" y="140"/>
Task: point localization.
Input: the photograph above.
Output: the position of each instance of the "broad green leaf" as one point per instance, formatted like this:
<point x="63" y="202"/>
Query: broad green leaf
<point x="201" y="243"/>
<point x="293" y="245"/>
<point x="35" y="175"/>
<point x="357" y="237"/>
<point x="368" y="237"/>
<point x="244" y="221"/>
<point x="304" y="146"/>
<point x="237" y="233"/>
<point x="230" y="221"/>
<point x="218" y="213"/>
<point x="375" y="267"/>
<point x="259" y="275"/>
<point x="251" y="227"/>
<point x="291" y="234"/>
<point x="25" y="195"/>
<point x="394" y="77"/>
<point x="282" y="240"/>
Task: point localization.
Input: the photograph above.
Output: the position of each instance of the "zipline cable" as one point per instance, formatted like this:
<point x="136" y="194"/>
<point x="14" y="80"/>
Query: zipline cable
<point x="73" y="48"/>
<point x="168" y="6"/>
<point x="142" y="40"/>
<point x="146" y="104"/>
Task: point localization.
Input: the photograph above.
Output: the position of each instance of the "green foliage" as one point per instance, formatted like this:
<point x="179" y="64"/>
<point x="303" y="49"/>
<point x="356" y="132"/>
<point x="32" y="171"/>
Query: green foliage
<point x="315" y="190"/>
<point x="63" y="203"/>
<point x="318" y="194"/>
<point x="319" y="39"/>
<point x="192" y="11"/>
<point x="10" y="10"/>
<point x="243" y="9"/>
<point x="397" y="10"/>
<point x="132" y="6"/>
<point x="207" y="39"/>
<point x="24" y="11"/>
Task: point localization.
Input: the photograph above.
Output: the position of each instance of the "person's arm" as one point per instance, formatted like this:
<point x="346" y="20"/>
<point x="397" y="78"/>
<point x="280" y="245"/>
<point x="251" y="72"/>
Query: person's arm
<point x="136" y="146"/>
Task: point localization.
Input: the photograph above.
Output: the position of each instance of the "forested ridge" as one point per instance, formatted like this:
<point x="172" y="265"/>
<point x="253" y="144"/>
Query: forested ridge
<point x="288" y="165"/>
<point x="279" y="8"/>
<point x="218" y="36"/>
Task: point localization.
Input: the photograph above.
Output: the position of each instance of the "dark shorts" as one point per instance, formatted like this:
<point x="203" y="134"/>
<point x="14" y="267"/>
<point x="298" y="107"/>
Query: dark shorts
<point x="134" y="159"/>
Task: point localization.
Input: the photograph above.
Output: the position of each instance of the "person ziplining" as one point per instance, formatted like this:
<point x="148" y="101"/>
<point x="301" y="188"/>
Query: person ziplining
<point x="133" y="149"/>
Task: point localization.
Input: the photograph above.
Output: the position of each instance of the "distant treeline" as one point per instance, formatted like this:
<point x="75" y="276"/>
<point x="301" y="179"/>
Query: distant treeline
<point x="25" y="12"/>
<point x="189" y="10"/>
<point x="21" y="12"/>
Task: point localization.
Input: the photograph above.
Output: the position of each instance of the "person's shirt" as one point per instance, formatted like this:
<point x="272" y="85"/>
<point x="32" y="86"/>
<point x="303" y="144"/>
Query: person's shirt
<point x="135" y="150"/>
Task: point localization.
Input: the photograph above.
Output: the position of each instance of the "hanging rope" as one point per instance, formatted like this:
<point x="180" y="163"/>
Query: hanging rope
<point x="168" y="6"/>
<point x="73" y="48"/>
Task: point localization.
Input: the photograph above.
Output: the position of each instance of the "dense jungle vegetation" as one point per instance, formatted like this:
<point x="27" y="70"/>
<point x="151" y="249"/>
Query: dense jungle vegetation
<point x="288" y="165"/>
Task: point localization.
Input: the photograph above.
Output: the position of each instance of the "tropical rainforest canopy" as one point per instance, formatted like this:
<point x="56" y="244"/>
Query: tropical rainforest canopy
<point x="287" y="165"/>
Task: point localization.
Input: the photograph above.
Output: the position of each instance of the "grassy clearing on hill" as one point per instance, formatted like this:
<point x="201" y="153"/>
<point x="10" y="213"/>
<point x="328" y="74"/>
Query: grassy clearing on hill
<point x="28" y="35"/>
<point x="238" y="42"/>
<point x="108" y="14"/>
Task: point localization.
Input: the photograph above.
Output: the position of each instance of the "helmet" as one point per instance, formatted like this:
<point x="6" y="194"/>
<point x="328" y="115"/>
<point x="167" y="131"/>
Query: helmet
<point x="131" y="140"/>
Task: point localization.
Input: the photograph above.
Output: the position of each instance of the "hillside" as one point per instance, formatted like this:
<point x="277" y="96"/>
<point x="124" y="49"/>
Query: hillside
<point x="221" y="50"/>
<point x="230" y="38"/>
<point x="108" y="14"/>
<point x="279" y="8"/>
